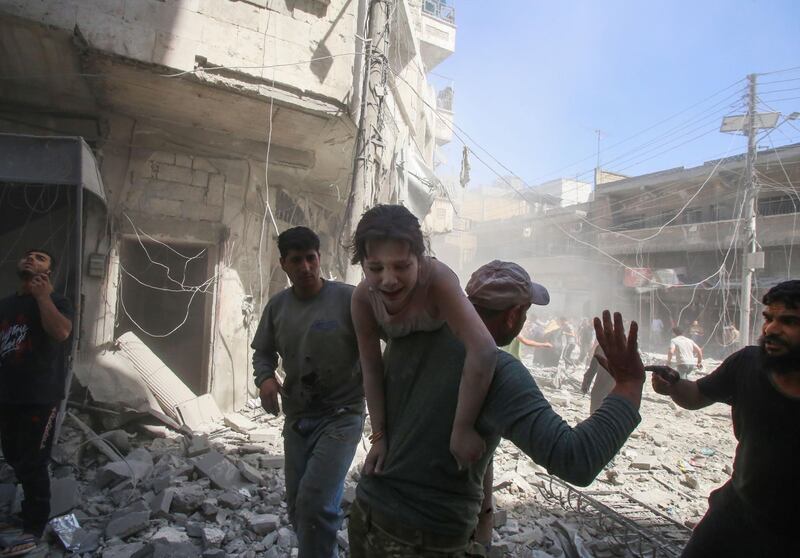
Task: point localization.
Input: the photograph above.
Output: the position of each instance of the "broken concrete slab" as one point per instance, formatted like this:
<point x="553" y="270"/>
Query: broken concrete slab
<point x="197" y="445"/>
<point x="135" y="467"/>
<point x="128" y="524"/>
<point x="272" y="461"/>
<point x="239" y="423"/>
<point x="129" y="550"/>
<point x="645" y="462"/>
<point x="171" y="535"/>
<point x="213" y="537"/>
<point x="64" y="495"/>
<point x="201" y="414"/>
<point x="250" y="473"/>
<point x="261" y="437"/>
<point x="231" y="500"/>
<point x="187" y="499"/>
<point x="219" y="470"/>
<point x="162" y="502"/>
<point x="264" y="523"/>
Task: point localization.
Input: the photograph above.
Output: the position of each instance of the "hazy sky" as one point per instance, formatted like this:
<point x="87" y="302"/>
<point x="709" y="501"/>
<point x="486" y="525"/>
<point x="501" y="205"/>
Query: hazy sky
<point x="534" y="79"/>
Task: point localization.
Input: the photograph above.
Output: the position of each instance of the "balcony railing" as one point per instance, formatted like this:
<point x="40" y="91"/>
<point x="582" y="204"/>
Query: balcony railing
<point x="444" y="99"/>
<point x="440" y="9"/>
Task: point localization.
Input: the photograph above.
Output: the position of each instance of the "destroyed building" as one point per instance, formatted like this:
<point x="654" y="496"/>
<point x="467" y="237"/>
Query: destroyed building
<point x="665" y="227"/>
<point x="214" y="124"/>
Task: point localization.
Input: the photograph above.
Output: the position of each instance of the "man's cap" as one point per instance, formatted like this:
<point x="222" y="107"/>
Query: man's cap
<point x="501" y="285"/>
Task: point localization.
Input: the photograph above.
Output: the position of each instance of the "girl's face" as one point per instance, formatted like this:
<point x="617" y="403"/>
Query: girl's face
<point x="391" y="269"/>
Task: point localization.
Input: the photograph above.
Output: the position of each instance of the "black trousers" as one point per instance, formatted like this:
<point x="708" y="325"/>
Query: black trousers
<point x="728" y="531"/>
<point x="26" y="433"/>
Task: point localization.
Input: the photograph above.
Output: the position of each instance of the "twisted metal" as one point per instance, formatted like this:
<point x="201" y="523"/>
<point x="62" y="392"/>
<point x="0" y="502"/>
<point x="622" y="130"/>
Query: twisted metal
<point x="633" y="525"/>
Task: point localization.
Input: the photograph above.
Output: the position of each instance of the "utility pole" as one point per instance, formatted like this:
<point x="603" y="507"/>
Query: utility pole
<point x="749" y="264"/>
<point x="368" y="142"/>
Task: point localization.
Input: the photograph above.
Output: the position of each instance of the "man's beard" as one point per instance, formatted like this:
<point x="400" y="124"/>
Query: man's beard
<point x="25" y="274"/>
<point x="783" y="363"/>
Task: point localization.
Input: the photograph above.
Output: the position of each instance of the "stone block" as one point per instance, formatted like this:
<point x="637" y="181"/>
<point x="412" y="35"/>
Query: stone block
<point x="182" y="160"/>
<point x="137" y="466"/>
<point x="128" y="524"/>
<point x="221" y="472"/>
<point x="123" y="550"/>
<point x="261" y="524"/>
<point x="231" y="500"/>
<point x="239" y="423"/>
<point x="198" y="445"/>
<point x="171" y="535"/>
<point x="272" y="461"/>
<point x="188" y="499"/>
<point x="194" y="529"/>
<point x="162" y="502"/>
<point x="645" y="462"/>
<point x="64" y="494"/>
<point x="250" y="473"/>
<point x="286" y="538"/>
<point x="500" y="518"/>
<point x="175" y="51"/>
<point x="199" y="178"/>
<point x="163" y="157"/>
<point x="173" y="173"/>
<point x="203" y="164"/>
<point x="213" y="537"/>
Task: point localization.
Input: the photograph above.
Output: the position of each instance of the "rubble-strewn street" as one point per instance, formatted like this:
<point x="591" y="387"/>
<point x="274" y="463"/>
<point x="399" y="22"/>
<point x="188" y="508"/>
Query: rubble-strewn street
<point x="222" y="494"/>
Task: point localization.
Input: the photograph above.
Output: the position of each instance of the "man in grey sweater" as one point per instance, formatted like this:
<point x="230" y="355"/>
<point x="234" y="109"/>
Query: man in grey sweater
<point x="422" y="504"/>
<point x="309" y="327"/>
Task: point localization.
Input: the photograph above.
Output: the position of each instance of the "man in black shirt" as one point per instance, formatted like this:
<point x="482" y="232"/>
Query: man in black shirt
<point x="755" y="513"/>
<point x="34" y="324"/>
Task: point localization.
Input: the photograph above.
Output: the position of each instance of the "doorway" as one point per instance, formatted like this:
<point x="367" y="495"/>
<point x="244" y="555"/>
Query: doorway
<point x="165" y="299"/>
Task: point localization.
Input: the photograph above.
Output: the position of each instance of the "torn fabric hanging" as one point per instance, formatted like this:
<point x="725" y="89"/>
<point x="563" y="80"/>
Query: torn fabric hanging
<point x="463" y="177"/>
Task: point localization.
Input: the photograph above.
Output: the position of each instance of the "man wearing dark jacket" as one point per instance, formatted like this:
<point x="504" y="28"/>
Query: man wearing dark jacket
<point x="35" y="323"/>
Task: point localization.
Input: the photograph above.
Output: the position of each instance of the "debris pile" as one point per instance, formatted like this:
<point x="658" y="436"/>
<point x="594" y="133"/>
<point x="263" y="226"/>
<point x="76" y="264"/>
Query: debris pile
<point x="149" y="490"/>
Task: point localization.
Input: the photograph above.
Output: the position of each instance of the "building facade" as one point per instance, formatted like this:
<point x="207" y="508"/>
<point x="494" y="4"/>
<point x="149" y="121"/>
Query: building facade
<point x="216" y="124"/>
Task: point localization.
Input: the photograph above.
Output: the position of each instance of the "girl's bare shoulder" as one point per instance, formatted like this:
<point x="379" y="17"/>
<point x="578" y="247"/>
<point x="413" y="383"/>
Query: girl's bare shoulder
<point x="441" y="276"/>
<point x="360" y="293"/>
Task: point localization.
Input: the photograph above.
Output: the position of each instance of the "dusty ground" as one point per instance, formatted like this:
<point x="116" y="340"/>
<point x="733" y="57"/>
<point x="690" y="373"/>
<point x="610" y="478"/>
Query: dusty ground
<point x="227" y="500"/>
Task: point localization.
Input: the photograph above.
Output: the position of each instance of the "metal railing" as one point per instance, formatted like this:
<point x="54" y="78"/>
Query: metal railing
<point x="636" y="528"/>
<point x="440" y="9"/>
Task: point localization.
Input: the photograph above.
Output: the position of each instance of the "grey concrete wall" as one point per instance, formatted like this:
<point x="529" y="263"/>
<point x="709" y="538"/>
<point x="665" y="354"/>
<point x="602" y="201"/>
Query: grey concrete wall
<point x="246" y="34"/>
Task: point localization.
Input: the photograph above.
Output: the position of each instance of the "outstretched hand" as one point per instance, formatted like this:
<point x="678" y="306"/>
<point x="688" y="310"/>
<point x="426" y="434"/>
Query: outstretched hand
<point x="622" y="359"/>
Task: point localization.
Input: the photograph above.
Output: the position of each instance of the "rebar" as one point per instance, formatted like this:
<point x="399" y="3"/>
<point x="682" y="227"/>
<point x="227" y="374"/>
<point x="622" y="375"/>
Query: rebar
<point x="641" y="529"/>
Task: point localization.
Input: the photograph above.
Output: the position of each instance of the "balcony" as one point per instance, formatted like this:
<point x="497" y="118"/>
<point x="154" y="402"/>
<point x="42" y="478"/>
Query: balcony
<point x="773" y="230"/>
<point x="444" y="122"/>
<point x="437" y="32"/>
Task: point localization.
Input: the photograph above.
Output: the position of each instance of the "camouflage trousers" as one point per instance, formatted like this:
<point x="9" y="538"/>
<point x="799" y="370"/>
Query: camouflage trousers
<point x="370" y="540"/>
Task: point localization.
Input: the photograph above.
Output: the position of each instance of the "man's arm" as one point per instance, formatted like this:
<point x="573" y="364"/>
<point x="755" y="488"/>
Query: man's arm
<point x="517" y="410"/>
<point x="670" y="354"/>
<point x="698" y="352"/>
<point x="55" y="324"/>
<point x="577" y="454"/>
<point x="265" y="362"/>
<point x="684" y="393"/>
<point x="532" y="343"/>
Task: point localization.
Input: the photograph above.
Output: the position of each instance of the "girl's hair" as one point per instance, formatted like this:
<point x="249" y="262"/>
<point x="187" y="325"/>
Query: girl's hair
<point x="387" y="222"/>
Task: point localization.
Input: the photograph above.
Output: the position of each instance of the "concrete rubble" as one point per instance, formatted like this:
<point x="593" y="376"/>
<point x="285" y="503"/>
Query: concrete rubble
<point x="222" y="493"/>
